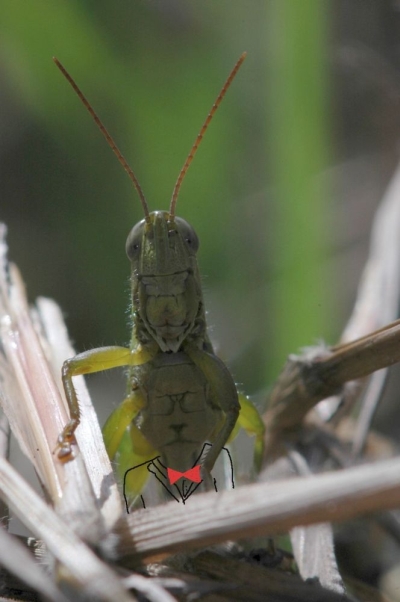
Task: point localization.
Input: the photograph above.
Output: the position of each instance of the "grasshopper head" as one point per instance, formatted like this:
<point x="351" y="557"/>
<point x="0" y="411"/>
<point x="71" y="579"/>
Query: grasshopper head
<point x="161" y="245"/>
<point x="166" y="291"/>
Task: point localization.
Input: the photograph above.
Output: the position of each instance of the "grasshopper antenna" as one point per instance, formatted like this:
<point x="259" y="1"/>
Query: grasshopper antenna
<point x="200" y="135"/>
<point x="107" y="136"/>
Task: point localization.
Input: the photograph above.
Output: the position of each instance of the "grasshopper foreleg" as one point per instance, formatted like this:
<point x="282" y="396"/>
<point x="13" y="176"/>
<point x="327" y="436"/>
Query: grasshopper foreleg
<point x="94" y="360"/>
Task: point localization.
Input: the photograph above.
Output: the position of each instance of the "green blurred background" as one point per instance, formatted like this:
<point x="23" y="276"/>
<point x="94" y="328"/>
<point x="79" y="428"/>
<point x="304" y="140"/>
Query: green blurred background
<point x="262" y="193"/>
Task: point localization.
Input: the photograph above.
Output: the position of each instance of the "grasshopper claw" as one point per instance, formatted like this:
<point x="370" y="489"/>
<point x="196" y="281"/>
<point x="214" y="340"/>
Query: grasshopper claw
<point x="65" y="441"/>
<point x="65" y="453"/>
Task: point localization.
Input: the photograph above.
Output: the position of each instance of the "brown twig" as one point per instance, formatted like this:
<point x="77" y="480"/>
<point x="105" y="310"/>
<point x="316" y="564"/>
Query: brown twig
<point x="258" y="583"/>
<point x="256" y="510"/>
<point x="307" y="380"/>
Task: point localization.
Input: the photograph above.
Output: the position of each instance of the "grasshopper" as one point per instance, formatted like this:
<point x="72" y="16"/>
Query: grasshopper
<point x="180" y="394"/>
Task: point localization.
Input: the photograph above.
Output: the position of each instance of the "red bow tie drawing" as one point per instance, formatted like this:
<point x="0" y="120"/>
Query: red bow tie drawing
<point x="193" y="474"/>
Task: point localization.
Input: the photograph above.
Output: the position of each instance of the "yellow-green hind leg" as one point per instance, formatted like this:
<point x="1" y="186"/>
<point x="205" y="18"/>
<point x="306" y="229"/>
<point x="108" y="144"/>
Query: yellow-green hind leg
<point x="134" y="454"/>
<point x="119" y="420"/>
<point x="126" y="444"/>
<point x="250" y="420"/>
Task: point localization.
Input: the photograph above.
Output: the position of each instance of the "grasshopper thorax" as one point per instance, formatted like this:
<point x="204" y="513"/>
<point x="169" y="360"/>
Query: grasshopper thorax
<point x="166" y="292"/>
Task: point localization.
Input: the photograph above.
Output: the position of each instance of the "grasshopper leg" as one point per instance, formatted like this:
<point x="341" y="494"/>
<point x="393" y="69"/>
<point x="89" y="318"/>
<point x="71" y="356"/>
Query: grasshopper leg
<point x="118" y="422"/>
<point x="94" y="360"/>
<point x="135" y="453"/>
<point x="250" y="420"/>
<point x="125" y="442"/>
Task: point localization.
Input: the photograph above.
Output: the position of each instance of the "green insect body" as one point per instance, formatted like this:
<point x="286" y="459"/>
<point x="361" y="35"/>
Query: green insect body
<point x="180" y="394"/>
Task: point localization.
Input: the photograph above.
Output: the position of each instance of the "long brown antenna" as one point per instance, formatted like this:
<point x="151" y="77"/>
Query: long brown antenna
<point x="200" y="135"/>
<point x="107" y="136"/>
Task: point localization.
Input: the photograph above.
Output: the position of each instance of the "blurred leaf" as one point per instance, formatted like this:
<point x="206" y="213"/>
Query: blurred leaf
<point x="298" y="138"/>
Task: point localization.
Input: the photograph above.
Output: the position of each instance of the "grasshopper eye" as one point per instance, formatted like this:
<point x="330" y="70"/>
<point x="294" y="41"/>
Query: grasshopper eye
<point x="188" y="234"/>
<point x="134" y="240"/>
